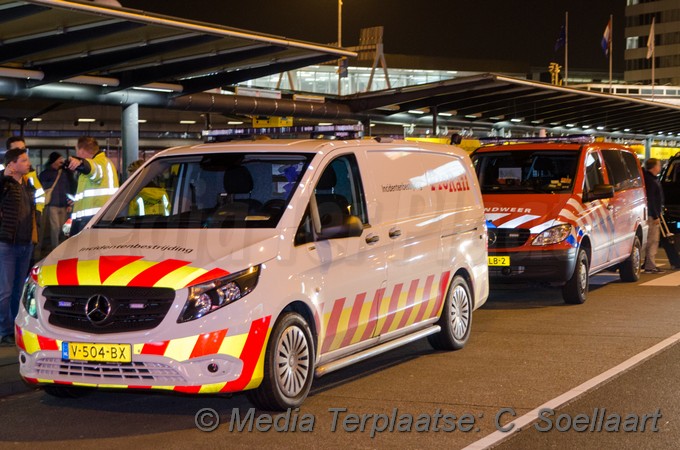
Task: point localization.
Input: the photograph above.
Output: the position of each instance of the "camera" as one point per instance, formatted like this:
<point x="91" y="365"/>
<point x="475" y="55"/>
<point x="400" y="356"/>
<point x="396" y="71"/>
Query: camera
<point x="66" y="162"/>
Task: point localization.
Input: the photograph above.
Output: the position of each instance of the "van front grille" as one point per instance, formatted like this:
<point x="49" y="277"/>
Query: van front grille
<point x="508" y="237"/>
<point x="98" y="373"/>
<point x="130" y="308"/>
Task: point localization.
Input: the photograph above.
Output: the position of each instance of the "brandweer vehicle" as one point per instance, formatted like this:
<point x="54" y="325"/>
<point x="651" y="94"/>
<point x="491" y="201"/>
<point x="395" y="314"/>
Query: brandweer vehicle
<point x="271" y="262"/>
<point x="560" y="212"/>
<point x="670" y="183"/>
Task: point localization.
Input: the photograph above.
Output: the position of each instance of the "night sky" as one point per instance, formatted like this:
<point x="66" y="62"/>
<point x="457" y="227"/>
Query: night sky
<point x="515" y="30"/>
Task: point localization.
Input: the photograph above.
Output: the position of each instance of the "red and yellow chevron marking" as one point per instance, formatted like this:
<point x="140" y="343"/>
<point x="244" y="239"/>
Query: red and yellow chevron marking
<point x="350" y="322"/>
<point x="248" y="347"/>
<point x="124" y="271"/>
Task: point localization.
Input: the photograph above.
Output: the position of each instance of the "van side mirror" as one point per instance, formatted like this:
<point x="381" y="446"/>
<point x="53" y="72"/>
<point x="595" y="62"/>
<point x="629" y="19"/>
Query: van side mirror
<point x="351" y="226"/>
<point x="599" y="192"/>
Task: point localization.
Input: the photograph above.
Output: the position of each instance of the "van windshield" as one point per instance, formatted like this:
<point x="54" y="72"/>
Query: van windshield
<point x="524" y="171"/>
<point x="224" y="190"/>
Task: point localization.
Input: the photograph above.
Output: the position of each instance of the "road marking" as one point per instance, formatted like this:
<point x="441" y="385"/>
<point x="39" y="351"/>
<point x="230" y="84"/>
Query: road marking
<point x="524" y="421"/>
<point x="672" y="279"/>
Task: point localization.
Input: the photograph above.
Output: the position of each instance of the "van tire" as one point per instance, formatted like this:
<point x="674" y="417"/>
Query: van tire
<point x="456" y="318"/>
<point x="60" y="391"/>
<point x="630" y="268"/>
<point x="576" y="289"/>
<point x="288" y="366"/>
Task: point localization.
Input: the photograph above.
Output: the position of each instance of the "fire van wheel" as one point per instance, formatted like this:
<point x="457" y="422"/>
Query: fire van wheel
<point x="456" y="318"/>
<point x="289" y="366"/>
<point x="630" y="268"/>
<point x="65" y="391"/>
<point x="576" y="289"/>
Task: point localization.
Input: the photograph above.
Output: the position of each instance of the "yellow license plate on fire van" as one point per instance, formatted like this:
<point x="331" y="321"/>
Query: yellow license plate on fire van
<point x="84" y="351"/>
<point x="496" y="261"/>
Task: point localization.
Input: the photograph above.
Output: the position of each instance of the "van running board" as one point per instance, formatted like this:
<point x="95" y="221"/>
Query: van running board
<point x="374" y="351"/>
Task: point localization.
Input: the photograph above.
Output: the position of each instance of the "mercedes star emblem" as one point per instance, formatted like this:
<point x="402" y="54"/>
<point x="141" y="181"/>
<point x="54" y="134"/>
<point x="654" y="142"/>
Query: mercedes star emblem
<point x="98" y="309"/>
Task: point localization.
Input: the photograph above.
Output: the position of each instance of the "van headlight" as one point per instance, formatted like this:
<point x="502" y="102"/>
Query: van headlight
<point x="208" y="297"/>
<point x="553" y="235"/>
<point x="28" y="298"/>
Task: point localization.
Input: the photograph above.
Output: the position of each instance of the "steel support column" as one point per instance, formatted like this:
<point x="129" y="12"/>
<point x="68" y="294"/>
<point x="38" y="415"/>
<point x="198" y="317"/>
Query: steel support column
<point x="130" y="135"/>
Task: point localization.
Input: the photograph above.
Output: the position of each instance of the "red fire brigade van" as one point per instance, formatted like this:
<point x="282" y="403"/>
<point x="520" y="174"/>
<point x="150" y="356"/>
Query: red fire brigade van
<point x="560" y="212"/>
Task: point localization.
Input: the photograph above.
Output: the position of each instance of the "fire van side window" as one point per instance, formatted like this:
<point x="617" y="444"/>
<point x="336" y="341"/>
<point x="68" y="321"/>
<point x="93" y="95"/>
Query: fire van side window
<point x="594" y="174"/>
<point x="623" y="174"/>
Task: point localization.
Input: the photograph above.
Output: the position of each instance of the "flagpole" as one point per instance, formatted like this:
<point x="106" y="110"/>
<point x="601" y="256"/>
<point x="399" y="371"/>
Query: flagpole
<point x="653" y="56"/>
<point x="566" y="48"/>
<point x="611" y="48"/>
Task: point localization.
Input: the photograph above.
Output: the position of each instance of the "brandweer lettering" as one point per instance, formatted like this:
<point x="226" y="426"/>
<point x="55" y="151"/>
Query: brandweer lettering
<point x="497" y="209"/>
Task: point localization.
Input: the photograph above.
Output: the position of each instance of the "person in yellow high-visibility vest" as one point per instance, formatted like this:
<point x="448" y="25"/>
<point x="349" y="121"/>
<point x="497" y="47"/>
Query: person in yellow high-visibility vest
<point x="97" y="181"/>
<point x="17" y="142"/>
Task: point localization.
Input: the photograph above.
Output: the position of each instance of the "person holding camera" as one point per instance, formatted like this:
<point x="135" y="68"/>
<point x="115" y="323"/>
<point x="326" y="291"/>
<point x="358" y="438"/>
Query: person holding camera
<point x="57" y="186"/>
<point x="97" y="181"/>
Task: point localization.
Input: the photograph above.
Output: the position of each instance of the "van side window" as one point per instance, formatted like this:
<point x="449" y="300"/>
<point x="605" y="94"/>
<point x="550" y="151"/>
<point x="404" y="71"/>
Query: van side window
<point x="620" y="173"/>
<point x="594" y="174"/>
<point x="339" y="193"/>
<point x="633" y="165"/>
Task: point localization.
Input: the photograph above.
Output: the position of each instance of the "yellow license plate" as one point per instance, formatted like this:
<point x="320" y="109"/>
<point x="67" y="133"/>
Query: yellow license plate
<point x="499" y="261"/>
<point x="83" y="351"/>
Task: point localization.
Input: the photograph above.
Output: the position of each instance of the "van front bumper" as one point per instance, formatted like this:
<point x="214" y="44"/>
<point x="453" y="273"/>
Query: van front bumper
<point x="550" y="266"/>
<point x="213" y="362"/>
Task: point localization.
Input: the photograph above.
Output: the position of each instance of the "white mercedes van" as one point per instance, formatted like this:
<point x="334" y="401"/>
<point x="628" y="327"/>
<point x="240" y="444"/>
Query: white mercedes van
<point x="268" y="263"/>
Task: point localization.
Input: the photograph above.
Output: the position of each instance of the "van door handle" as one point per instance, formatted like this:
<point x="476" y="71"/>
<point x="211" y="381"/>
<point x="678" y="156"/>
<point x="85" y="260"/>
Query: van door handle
<point x="394" y="233"/>
<point x="372" y="239"/>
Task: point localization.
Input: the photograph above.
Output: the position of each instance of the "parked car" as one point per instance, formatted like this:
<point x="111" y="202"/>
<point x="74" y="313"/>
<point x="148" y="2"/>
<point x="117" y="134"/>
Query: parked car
<point x="272" y="262"/>
<point x="560" y="212"/>
<point x="670" y="183"/>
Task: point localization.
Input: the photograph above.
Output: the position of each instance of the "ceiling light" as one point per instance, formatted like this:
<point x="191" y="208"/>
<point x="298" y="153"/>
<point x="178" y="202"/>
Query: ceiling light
<point x="325" y="124"/>
<point x="141" y="121"/>
<point x="187" y="122"/>
<point x="445" y="114"/>
<point x="416" y="111"/>
<point x="86" y="120"/>
<point x="570" y="125"/>
<point x="600" y="128"/>
<point x="585" y="127"/>
<point x="516" y="120"/>
<point x="36" y="119"/>
<point x="626" y="130"/>
<point x="235" y="122"/>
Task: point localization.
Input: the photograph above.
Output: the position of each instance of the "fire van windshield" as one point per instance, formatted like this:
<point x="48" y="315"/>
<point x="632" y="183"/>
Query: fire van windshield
<point x="222" y="190"/>
<point x="524" y="171"/>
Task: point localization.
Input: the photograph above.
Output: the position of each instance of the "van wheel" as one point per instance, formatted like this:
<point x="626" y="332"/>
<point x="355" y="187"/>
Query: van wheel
<point x="576" y="289"/>
<point x="288" y="366"/>
<point x="456" y="318"/>
<point x="630" y="268"/>
<point x="60" y="391"/>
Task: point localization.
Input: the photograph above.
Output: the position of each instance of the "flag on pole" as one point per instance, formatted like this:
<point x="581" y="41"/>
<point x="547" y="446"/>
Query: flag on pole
<point x="607" y="38"/>
<point x="561" y="39"/>
<point x="650" y="41"/>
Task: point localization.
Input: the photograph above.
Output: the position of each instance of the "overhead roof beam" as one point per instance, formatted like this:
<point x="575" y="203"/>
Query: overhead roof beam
<point x="453" y="98"/>
<point x="60" y="38"/>
<point x="17" y="10"/>
<point x="138" y="77"/>
<point x="83" y="64"/>
<point x="388" y="97"/>
<point x="200" y="84"/>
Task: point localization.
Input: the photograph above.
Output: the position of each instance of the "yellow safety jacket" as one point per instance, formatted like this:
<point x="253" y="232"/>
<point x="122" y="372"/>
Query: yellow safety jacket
<point x="32" y="178"/>
<point x="95" y="187"/>
<point x="150" y="201"/>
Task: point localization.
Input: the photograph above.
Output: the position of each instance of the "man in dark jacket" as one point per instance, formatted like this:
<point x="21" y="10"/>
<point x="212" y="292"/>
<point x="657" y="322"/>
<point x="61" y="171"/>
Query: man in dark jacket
<point x="57" y="184"/>
<point x="654" y="209"/>
<point x="18" y="233"/>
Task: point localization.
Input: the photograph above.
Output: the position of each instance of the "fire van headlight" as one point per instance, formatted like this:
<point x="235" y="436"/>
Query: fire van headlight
<point x="553" y="235"/>
<point x="28" y="298"/>
<point x="208" y="297"/>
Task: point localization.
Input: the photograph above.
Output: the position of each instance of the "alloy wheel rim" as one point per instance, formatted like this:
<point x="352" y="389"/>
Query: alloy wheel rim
<point x="583" y="276"/>
<point x="460" y="312"/>
<point x="292" y="361"/>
